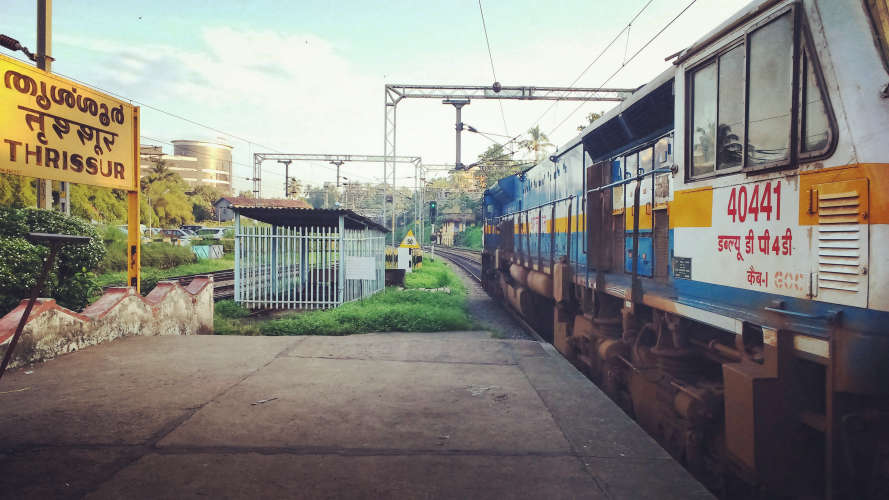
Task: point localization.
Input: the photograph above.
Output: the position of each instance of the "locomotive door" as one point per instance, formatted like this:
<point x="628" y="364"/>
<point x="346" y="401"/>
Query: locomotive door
<point x="598" y="213"/>
<point x="841" y="243"/>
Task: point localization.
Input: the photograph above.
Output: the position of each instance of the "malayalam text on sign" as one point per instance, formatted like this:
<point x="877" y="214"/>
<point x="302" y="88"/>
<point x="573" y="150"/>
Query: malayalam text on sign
<point x="54" y="128"/>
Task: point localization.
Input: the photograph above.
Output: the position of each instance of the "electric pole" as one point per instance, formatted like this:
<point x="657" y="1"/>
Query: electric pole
<point x="458" y="105"/>
<point x="44" y="62"/>
<point x="286" y="178"/>
<point x="338" y="163"/>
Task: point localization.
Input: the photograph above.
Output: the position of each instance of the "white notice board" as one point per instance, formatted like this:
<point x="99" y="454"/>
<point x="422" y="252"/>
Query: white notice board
<point x="360" y="268"/>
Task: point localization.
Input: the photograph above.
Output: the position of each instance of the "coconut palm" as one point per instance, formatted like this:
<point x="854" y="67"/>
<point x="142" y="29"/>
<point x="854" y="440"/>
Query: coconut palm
<point x="537" y="142"/>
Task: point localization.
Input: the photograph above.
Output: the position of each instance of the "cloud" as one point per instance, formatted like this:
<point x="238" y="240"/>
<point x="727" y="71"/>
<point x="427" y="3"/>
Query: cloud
<point x="292" y="91"/>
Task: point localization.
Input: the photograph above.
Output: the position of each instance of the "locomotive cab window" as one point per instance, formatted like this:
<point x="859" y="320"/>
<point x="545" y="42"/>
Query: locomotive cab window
<point x="742" y="103"/>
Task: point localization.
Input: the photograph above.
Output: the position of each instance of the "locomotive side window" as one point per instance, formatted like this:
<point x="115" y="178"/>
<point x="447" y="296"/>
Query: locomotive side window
<point x="730" y="132"/>
<point x="770" y="89"/>
<point x="703" y="128"/>
<point x="742" y="103"/>
<point x="815" y="123"/>
<point x="645" y="160"/>
<point x="663" y="153"/>
<point x="631" y="164"/>
<point x="617" y="193"/>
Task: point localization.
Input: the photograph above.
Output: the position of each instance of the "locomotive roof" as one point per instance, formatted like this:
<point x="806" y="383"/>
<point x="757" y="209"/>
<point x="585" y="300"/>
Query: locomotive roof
<point x="614" y="112"/>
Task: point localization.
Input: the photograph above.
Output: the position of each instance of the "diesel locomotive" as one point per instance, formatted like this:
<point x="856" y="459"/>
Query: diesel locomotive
<point x="714" y="251"/>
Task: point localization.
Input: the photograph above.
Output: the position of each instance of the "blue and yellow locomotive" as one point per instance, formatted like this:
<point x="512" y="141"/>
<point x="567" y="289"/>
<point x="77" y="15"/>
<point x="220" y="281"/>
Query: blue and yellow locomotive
<point x="710" y="251"/>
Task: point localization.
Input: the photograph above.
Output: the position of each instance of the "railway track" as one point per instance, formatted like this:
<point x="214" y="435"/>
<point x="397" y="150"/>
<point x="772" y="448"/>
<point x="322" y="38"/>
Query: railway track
<point x="471" y="262"/>
<point x="468" y="260"/>
<point x="223" y="282"/>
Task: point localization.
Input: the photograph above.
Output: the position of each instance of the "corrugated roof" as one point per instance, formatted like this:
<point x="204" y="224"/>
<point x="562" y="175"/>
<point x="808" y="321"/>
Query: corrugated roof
<point x="305" y="217"/>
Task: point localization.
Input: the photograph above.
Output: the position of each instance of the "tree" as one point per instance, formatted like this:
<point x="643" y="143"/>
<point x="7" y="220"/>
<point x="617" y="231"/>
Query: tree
<point x="294" y="188"/>
<point x="98" y="203"/>
<point x="590" y="118"/>
<point x="169" y="201"/>
<point x="245" y="194"/>
<point x="497" y="163"/>
<point x="537" y="143"/>
<point x="16" y="191"/>
<point x="202" y="199"/>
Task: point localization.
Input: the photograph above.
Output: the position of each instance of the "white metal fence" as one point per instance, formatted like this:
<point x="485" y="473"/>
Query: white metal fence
<point x="303" y="268"/>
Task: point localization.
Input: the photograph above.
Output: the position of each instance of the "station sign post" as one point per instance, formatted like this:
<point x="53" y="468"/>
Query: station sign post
<point x="56" y="129"/>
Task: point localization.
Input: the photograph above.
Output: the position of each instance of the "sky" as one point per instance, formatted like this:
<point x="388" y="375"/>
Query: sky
<point x="308" y="76"/>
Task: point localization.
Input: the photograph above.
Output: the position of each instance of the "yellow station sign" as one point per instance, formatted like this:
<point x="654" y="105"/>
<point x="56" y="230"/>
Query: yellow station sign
<point x="54" y="128"/>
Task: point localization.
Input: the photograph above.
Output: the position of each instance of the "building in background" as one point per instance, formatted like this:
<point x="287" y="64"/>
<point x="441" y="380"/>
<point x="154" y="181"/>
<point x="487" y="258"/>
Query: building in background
<point x="197" y="162"/>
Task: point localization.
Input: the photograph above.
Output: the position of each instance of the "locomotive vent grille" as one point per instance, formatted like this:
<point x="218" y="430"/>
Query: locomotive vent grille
<point x="839" y="241"/>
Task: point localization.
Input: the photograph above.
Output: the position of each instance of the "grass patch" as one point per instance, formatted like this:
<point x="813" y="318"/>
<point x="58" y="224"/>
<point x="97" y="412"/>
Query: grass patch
<point x="404" y="310"/>
<point x="433" y="274"/>
<point x="230" y="309"/>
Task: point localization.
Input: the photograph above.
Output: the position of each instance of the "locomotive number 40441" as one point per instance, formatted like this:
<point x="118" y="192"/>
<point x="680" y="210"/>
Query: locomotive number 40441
<point x="754" y="202"/>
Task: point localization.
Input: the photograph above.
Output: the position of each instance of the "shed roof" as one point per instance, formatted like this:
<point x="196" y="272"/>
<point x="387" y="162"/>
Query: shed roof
<point x="303" y="217"/>
<point x="244" y="201"/>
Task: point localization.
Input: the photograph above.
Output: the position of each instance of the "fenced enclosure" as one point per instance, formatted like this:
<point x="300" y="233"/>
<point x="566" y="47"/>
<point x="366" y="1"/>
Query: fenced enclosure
<point x="306" y="267"/>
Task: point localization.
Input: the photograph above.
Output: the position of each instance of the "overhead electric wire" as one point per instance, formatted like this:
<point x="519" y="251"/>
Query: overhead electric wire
<point x="598" y="56"/>
<point x="491" y="58"/>
<point x="627" y="61"/>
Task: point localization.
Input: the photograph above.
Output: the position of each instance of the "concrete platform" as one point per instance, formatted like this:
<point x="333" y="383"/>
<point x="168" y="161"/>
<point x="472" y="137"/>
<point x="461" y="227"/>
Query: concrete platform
<point x="438" y="415"/>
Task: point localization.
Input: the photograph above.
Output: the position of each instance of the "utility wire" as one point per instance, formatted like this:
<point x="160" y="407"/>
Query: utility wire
<point x="491" y="58"/>
<point x="628" y="61"/>
<point x="617" y="36"/>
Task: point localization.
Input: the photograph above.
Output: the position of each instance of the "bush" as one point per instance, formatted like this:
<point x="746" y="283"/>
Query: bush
<point x="230" y="309"/>
<point x="71" y="281"/>
<point x="471" y="237"/>
<point x="165" y="256"/>
<point x="17" y="254"/>
<point x="115" y="250"/>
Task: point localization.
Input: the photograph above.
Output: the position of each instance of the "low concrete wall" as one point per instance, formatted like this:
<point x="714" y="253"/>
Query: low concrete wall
<point x="52" y="330"/>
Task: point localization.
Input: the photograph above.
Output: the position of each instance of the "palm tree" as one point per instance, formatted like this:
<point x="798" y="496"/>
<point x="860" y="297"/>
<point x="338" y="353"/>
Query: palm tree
<point x="536" y="143"/>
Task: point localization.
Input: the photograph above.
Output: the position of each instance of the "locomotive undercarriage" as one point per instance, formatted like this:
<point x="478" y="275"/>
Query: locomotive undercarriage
<point x="747" y="414"/>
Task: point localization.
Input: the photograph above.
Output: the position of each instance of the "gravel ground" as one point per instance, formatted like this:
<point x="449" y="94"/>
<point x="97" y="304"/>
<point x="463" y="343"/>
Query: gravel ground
<point x="488" y="313"/>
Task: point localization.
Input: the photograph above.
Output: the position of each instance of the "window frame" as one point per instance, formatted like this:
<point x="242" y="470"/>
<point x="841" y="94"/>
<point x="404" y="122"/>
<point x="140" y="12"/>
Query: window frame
<point x="802" y="42"/>
<point x="690" y="74"/>
<point x="807" y="47"/>
<point x="792" y="158"/>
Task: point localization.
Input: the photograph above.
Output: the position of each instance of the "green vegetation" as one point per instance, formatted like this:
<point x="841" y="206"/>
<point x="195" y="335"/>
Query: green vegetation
<point x="433" y="275"/>
<point x="408" y="310"/>
<point x="70" y="282"/>
<point x="391" y="310"/>
<point x="469" y="238"/>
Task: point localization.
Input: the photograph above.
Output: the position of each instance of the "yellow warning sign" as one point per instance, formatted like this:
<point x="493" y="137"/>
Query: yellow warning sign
<point x="409" y="241"/>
